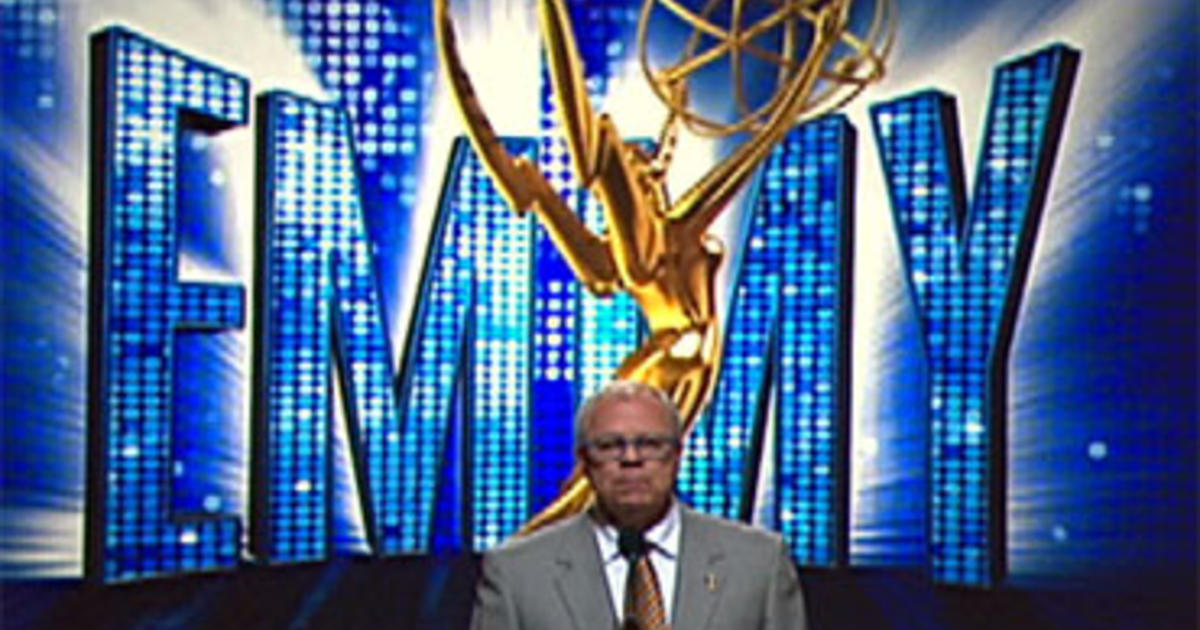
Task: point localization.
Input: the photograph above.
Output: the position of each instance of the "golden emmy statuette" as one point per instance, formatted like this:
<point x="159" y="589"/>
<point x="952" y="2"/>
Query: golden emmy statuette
<point x="656" y="248"/>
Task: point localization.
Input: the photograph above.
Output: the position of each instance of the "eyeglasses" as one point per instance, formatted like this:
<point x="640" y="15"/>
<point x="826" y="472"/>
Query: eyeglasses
<point x="611" y="448"/>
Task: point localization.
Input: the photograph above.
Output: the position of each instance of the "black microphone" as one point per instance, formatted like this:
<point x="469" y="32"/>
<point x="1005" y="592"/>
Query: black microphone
<point x="631" y="543"/>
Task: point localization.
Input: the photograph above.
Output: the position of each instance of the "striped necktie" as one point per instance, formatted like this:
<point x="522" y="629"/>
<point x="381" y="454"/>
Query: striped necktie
<point x="644" y="608"/>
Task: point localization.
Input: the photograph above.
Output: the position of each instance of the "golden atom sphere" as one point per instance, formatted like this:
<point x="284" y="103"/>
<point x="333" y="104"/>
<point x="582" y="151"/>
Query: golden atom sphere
<point x="855" y="62"/>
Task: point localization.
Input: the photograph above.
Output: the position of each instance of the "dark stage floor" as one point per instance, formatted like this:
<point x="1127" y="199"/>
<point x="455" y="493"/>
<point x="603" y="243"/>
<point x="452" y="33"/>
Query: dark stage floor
<point x="435" y="593"/>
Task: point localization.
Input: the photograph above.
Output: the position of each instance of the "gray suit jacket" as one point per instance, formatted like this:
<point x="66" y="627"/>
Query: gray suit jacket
<point x="731" y="577"/>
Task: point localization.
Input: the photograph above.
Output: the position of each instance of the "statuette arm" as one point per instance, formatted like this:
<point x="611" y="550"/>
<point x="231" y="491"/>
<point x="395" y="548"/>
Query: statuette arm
<point x="518" y="179"/>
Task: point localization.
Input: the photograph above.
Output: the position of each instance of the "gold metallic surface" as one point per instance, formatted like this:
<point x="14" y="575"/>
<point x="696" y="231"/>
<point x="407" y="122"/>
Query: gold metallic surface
<point x="843" y="75"/>
<point x="657" y="249"/>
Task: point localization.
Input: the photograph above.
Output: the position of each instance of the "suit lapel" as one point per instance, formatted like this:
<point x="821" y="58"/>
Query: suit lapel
<point x="701" y="575"/>
<point x="580" y="572"/>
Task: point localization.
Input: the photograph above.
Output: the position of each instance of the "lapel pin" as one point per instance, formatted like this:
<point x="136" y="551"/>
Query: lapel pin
<point x="710" y="582"/>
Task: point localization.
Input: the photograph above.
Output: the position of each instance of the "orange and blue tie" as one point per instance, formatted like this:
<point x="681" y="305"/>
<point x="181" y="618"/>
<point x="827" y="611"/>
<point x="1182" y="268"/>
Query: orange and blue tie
<point x="644" y="609"/>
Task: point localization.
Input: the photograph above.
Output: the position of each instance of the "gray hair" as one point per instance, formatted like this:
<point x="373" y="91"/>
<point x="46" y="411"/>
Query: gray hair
<point x="623" y="390"/>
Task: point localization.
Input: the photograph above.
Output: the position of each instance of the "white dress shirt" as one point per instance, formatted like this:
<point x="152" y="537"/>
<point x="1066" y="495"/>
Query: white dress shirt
<point x="663" y="538"/>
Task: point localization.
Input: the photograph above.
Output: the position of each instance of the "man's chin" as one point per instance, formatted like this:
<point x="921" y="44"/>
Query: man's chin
<point x="637" y="510"/>
<point x="633" y="507"/>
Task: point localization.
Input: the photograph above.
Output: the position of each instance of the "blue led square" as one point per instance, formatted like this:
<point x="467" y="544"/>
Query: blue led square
<point x="789" y="319"/>
<point x="967" y="282"/>
<point x="579" y="339"/>
<point x="29" y="53"/>
<point x="476" y="306"/>
<point x="374" y="60"/>
<point x="139" y="304"/>
<point x="320" y="307"/>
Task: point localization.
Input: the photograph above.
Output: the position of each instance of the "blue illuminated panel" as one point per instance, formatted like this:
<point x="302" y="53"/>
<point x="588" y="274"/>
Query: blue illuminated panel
<point x="138" y="306"/>
<point x="42" y="317"/>
<point x="375" y="60"/>
<point x="967" y="277"/>
<point x="555" y="362"/>
<point x="500" y="358"/>
<point x="608" y="327"/>
<point x="476" y="305"/>
<point x="579" y="339"/>
<point x="788" y="338"/>
<point x="808" y="199"/>
<point x="319" y="302"/>
<point x="433" y="357"/>
<point x="29" y="53"/>
<point x="555" y="324"/>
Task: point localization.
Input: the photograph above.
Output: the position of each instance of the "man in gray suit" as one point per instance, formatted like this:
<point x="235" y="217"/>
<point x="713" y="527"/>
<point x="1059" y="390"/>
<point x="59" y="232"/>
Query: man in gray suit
<point x="689" y="571"/>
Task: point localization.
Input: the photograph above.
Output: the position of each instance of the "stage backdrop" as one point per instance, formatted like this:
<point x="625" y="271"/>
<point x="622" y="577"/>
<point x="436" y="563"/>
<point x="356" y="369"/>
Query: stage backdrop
<point x="275" y="352"/>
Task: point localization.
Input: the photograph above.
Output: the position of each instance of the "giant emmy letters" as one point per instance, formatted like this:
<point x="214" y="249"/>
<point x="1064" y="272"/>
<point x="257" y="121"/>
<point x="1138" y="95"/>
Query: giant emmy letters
<point x="657" y="248"/>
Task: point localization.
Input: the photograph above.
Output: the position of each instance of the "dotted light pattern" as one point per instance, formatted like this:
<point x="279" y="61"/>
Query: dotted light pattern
<point x="138" y="305"/>
<point x="967" y="284"/>
<point x="609" y="327"/>
<point x="475" y="295"/>
<point x="579" y="339"/>
<point x="320" y="302"/>
<point x="433" y="355"/>
<point x="375" y="59"/>
<point x="29" y="32"/>
<point x="501" y="361"/>
<point x="788" y="337"/>
<point x="555" y="329"/>
<point x="810" y="182"/>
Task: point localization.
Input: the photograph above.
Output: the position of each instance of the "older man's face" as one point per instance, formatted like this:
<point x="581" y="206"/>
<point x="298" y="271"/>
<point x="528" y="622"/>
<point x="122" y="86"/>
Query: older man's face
<point x="631" y="456"/>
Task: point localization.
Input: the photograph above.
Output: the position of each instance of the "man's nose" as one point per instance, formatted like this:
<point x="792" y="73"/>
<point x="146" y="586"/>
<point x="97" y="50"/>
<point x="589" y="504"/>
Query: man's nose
<point x="631" y="456"/>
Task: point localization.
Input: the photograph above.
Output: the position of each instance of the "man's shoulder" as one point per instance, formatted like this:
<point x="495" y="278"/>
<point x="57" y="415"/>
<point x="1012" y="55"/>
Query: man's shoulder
<point x="544" y="542"/>
<point x="733" y="533"/>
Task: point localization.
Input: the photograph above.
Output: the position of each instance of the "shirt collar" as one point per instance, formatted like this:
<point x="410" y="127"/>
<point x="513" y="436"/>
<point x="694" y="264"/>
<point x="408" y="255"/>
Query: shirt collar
<point x="663" y="536"/>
